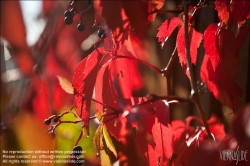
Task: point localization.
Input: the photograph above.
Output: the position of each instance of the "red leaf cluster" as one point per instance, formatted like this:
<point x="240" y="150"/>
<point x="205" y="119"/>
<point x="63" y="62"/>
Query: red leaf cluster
<point x="221" y="63"/>
<point x="109" y="77"/>
<point x="232" y="12"/>
<point x="98" y="71"/>
<point x="125" y="16"/>
<point x="188" y="140"/>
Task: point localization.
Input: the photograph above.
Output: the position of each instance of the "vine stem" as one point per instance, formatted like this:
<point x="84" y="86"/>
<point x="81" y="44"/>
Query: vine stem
<point x="153" y="98"/>
<point x="79" y="138"/>
<point x="96" y="101"/>
<point x="167" y="71"/>
<point x="194" y="93"/>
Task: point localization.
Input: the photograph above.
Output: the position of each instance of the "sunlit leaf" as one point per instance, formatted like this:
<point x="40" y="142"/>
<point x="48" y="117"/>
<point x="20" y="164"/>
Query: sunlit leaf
<point x="195" y="40"/>
<point x="126" y="73"/>
<point x="97" y="137"/>
<point x="222" y="6"/>
<point x="218" y="82"/>
<point x="167" y="28"/>
<point x="210" y="44"/>
<point x="105" y="159"/>
<point x="66" y="85"/>
<point x="108" y="141"/>
<point x="84" y="81"/>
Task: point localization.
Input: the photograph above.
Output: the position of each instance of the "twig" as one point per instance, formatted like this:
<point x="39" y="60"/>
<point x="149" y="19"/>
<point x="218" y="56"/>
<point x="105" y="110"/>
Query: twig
<point x="194" y="93"/>
<point x="153" y="98"/>
<point x="79" y="138"/>
<point x="167" y="71"/>
<point x="96" y="101"/>
<point x="196" y="11"/>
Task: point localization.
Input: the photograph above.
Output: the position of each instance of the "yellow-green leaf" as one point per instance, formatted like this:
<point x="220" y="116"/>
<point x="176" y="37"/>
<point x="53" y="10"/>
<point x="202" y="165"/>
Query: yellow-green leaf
<point x="97" y="138"/>
<point x="65" y="84"/>
<point x="99" y="115"/>
<point x="108" y="141"/>
<point x="105" y="159"/>
<point x="99" y="145"/>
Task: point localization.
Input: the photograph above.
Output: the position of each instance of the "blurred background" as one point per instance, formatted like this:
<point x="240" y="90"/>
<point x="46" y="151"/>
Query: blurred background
<point x="35" y="38"/>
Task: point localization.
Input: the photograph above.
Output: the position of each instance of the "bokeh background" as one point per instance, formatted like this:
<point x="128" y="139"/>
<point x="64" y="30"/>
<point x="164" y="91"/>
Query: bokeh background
<point x="56" y="49"/>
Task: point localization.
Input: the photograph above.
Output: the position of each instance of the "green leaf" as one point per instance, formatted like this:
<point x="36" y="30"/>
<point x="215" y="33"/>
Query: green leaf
<point x="65" y="84"/>
<point x="108" y="141"/>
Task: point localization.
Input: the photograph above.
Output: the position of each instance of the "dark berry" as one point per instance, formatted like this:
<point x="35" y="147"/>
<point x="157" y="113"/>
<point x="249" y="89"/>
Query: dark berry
<point x="77" y="151"/>
<point x="67" y="13"/>
<point x="47" y="121"/>
<point x="68" y="20"/>
<point x="79" y="162"/>
<point x="80" y="27"/>
<point x="97" y="155"/>
<point x="56" y="119"/>
<point x="101" y="33"/>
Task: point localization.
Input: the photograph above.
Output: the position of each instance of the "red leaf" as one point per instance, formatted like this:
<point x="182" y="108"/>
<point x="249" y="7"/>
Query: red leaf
<point x="112" y="15"/>
<point x="157" y="138"/>
<point x="229" y="58"/>
<point x="137" y="12"/>
<point x="216" y="127"/>
<point x="166" y="29"/>
<point x="222" y="7"/>
<point x="105" y="93"/>
<point x="210" y="45"/>
<point x="185" y="148"/>
<point x="232" y="12"/>
<point x="125" y="16"/>
<point x="218" y="82"/>
<point x="248" y="15"/>
<point x="219" y="76"/>
<point x="240" y="39"/>
<point x="84" y="80"/>
<point x="126" y="72"/>
<point x="239" y="10"/>
<point x="152" y="6"/>
<point x="178" y="128"/>
<point x="195" y="40"/>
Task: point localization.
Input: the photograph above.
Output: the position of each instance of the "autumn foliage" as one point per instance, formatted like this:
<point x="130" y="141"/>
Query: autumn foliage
<point x="136" y="130"/>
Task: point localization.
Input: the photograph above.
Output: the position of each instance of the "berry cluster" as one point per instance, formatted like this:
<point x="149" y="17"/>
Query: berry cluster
<point x="48" y="122"/>
<point x="71" y="12"/>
